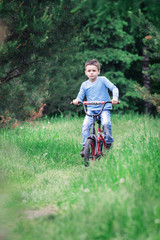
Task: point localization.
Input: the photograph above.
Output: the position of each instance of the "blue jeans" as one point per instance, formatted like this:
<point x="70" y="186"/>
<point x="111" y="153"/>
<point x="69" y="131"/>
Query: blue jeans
<point x="106" y="124"/>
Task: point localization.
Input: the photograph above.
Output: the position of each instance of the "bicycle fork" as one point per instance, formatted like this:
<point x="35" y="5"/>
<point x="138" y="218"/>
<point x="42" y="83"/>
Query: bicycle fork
<point x="94" y="138"/>
<point x="100" y="138"/>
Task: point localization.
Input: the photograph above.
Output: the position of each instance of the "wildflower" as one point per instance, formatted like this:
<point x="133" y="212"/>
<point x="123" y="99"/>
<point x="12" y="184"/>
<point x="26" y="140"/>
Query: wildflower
<point x="121" y="180"/>
<point x="157" y="221"/>
<point x="45" y="154"/>
<point x="86" y="190"/>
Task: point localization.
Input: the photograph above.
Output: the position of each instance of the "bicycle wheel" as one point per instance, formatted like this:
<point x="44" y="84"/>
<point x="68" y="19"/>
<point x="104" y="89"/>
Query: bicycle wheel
<point x="101" y="147"/>
<point x="89" y="151"/>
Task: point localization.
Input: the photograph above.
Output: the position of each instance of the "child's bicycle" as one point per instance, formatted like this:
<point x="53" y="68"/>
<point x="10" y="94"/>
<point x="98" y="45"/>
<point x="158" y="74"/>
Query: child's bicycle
<point x="95" y="145"/>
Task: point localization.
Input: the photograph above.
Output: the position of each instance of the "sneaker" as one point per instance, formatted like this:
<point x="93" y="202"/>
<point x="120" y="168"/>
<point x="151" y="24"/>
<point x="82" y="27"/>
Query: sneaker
<point x="82" y="152"/>
<point x="109" y="146"/>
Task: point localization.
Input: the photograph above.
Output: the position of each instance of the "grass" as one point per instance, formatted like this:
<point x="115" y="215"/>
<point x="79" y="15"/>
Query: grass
<point x="47" y="193"/>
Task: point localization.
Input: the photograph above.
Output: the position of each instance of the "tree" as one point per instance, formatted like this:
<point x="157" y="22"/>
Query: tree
<point x="44" y="45"/>
<point x="149" y="88"/>
<point x="36" y="36"/>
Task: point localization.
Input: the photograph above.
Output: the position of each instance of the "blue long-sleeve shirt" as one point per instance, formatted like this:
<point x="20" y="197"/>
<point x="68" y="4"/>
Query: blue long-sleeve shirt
<point x="97" y="91"/>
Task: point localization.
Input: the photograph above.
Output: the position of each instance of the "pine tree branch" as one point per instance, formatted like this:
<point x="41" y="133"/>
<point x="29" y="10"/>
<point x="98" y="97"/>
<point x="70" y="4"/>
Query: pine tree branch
<point x="14" y="73"/>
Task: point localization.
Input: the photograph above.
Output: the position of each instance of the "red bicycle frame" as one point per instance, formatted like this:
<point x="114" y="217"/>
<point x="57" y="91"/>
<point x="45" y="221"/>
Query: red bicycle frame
<point x="99" y="139"/>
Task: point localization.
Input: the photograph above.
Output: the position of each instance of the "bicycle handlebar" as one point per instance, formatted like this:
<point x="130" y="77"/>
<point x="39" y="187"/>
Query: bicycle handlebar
<point x="93" y="103"/>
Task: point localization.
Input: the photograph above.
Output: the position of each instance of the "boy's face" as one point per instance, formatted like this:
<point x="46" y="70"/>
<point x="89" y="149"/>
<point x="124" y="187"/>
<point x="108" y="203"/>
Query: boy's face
<point x="92" y="72"/>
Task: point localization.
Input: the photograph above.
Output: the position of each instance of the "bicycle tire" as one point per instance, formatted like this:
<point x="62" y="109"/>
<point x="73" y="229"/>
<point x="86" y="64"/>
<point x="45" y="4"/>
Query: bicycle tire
<point x="89" y="151"/>
<point x="101" y="147"/>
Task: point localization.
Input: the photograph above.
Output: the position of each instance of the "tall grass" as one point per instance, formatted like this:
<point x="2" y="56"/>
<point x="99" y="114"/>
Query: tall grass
<point x="47" y="193"/>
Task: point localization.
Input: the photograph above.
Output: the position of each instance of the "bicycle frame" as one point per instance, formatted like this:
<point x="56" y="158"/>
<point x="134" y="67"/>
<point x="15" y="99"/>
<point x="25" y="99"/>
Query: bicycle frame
<point x="99" y="137"/>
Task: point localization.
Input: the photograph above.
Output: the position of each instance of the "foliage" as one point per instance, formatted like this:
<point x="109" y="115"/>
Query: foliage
<point x="21" y="56"/>
<point x="105" y="38"/>
<point x="151" y="40"/>
<point x="147" y="96"/>
<point x="44" y="45"/>
<point x="33" y="46"/>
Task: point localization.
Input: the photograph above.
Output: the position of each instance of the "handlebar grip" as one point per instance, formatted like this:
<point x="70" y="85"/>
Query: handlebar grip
<point x="71" y="103"/>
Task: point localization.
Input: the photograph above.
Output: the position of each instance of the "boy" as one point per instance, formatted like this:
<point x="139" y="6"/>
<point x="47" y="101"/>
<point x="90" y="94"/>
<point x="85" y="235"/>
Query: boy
<point x="96" y="89"/>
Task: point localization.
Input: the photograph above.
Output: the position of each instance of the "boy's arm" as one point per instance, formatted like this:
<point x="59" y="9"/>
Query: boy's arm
<point x="80" y="95"/>
<point x="76" y="101"/>
<point x="114" y="100"/>
<point x="113" y="89"/>
<point x="115" y="94"/>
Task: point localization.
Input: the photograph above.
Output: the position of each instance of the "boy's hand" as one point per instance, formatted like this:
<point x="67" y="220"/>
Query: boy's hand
<point x="76" y="101"/>
<point x="114" y="101"/>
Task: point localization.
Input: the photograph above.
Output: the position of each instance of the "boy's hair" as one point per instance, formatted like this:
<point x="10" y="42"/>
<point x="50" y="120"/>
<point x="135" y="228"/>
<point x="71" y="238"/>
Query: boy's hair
<point x="92" y="62"/>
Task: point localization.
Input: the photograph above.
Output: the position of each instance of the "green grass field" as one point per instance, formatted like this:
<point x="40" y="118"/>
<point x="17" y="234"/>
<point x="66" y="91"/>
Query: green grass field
<point x="47" y="193"/>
